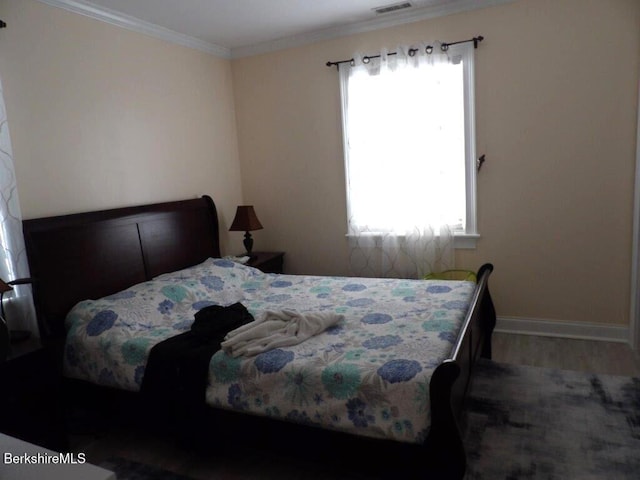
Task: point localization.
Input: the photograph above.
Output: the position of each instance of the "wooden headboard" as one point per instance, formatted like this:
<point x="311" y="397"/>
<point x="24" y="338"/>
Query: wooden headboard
<point x="90" y="255"/>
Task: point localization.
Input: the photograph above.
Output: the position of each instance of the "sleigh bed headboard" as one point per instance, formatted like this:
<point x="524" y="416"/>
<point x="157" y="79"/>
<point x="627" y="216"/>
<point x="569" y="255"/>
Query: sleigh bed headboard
<point x="90" y="255"/>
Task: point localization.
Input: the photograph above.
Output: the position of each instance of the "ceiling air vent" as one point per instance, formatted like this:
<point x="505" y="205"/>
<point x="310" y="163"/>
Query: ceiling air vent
<point x="392" y="8"/>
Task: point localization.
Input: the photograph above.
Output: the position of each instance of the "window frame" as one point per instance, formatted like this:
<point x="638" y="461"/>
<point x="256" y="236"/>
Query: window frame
<point x="466" y="239"/>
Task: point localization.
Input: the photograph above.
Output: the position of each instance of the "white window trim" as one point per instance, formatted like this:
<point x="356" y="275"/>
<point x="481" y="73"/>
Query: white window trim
<point x="467" y="239"/>
<point x="471" y="232"/>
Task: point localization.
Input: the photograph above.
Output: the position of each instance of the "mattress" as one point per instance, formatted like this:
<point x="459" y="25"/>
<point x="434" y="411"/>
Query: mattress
<point x="368" y="374"/>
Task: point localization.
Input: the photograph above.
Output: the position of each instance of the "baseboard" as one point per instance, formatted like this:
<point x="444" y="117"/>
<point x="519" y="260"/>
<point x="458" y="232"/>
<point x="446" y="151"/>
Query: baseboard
<point x="549" y="328"/>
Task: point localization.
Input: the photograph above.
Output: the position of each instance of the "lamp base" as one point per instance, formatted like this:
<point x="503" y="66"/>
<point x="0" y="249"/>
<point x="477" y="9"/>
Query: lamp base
<point x="248" y="244"/>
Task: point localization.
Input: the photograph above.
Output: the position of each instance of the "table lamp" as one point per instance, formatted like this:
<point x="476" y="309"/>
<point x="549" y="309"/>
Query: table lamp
<point x="246" y="221"/>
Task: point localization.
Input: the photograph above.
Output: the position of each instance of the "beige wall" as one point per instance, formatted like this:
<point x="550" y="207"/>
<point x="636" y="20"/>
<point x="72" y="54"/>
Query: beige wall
<point x="556" y="86"/>
<point x="102" y="117"/>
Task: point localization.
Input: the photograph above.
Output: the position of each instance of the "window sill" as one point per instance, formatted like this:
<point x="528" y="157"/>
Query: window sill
<point x="465" y="241"/>
<point x="461" y="241"/>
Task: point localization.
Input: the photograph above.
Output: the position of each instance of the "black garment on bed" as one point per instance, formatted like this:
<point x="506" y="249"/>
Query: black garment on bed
<point x="177" y="368"/>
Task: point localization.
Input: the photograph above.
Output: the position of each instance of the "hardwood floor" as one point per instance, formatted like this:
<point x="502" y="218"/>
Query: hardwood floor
<point x="568" y="354"/>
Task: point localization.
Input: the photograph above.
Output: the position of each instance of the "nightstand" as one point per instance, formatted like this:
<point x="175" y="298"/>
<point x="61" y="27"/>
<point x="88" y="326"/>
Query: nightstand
<point x="31" y="399"/>
<point x="268" y="262"/>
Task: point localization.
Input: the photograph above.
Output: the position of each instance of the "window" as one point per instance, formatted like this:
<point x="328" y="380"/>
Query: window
<point x="409" y="139"/>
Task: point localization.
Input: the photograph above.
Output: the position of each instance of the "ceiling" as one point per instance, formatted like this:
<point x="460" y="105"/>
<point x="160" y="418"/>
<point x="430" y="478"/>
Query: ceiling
<point x="235" y="28"/>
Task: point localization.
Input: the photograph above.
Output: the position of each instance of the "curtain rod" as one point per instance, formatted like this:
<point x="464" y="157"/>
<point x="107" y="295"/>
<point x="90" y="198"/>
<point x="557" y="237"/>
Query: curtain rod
<point x="412" y="51"/>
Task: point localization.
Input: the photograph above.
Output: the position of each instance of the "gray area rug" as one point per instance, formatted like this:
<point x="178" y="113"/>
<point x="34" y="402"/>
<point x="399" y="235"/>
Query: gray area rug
<point x="537" y="423"/>
<point x="522" y="423"/>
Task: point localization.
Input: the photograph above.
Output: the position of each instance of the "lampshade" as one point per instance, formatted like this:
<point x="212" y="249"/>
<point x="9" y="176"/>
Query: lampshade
<point x="245" y="220"/>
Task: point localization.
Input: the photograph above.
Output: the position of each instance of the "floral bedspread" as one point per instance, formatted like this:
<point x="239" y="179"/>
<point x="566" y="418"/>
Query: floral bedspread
<point x="109" y="339"/>
<point x="367" y="375"/>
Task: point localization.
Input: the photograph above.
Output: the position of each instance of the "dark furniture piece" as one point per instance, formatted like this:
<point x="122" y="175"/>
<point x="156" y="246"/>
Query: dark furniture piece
<point x="30" y="399"/>
<point x="90" y="255"/>
<point x="268" y="262"/>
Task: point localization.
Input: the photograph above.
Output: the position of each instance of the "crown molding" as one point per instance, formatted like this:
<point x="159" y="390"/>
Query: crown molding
<point x="386" y="21"/>
<point x="396" y="19"/>
<point x="135" y="24"/>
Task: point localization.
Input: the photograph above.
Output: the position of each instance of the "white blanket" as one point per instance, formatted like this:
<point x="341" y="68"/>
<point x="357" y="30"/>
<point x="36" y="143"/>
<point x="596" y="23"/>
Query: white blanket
<point x="273" y="329"/>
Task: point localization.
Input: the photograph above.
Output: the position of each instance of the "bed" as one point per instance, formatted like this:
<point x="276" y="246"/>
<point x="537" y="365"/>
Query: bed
<point x="389" y="373"/>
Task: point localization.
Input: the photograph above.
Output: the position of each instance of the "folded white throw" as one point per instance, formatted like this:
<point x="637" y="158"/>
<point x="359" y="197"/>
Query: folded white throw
<point x="273" y="329"/>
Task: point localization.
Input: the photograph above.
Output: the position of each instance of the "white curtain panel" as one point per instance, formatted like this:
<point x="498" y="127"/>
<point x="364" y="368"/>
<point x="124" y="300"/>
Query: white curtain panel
<point x="18" y="304"/>
<point x="399" y="216"/>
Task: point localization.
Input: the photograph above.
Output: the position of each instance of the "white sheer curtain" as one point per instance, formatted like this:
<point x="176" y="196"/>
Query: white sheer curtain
<point x="403" y="121"/>
<point x="18" y="304"/>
